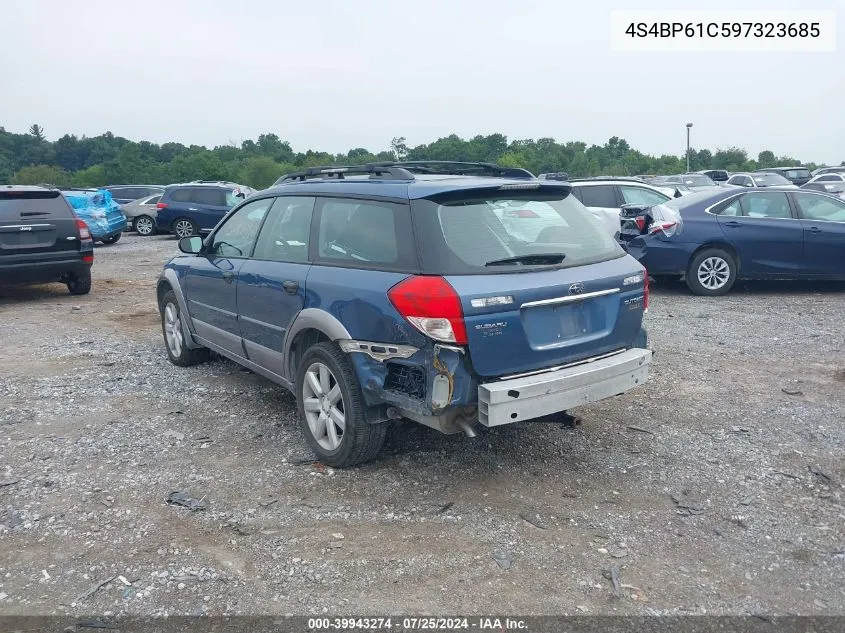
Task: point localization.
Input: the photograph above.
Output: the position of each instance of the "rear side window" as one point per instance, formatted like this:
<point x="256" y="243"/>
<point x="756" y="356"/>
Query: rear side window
<point x="599" y="196"/>
<point x="728" y="207"/>
<point x="15" y="206"/>
<point x="364" y="234"/>
<point x="181" y="195"/>
<point x="472" y="235"/>
<point x="641" y="195"/>
<point x="210" y="197"/>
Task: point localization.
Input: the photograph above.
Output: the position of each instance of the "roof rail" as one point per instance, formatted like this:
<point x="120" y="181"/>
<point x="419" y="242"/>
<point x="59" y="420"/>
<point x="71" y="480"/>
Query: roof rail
<point x="459" y="168"/>
<point x="620" y="178"/>
<point x="340" y="173"/>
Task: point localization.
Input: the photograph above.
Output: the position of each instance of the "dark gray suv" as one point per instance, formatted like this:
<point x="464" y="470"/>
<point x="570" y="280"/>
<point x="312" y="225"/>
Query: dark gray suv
<point x="42" y="241"/>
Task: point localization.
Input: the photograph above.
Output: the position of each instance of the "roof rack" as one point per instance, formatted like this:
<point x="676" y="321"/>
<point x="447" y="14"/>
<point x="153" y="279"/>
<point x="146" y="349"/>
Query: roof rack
<point x="620" y="178"/>
<point x="341" y="172"/>
<point x="459" y="168"/>
<point x="405" y="170"/>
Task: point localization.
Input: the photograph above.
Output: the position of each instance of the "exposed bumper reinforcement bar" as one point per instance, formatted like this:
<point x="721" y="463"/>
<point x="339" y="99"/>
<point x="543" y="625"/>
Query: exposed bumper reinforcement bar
<point x="537" y="395"/>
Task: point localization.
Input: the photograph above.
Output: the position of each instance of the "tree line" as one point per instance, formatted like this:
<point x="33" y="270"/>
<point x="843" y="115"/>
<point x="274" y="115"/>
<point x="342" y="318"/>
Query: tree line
<point x="108" y="159"/>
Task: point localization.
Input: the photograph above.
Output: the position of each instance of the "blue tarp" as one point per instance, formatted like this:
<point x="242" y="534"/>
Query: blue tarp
<point x="94" y="207"/>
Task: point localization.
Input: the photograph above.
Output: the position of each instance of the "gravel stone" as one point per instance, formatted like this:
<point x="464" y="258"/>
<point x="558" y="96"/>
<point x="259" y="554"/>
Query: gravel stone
<point x="97" y="428"/>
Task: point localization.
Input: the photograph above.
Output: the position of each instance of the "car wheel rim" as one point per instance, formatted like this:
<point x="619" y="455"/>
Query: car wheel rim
<point x="184" y="229"/>
<point x="173" y="329"/>
<point x="324" y="407"/>
<point x="713" y="273"/>
<point x="144" y="226"/>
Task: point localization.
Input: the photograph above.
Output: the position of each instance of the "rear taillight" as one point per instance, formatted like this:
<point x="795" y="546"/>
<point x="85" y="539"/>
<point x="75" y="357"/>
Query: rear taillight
<point x="161" y="205"/>
<point x="665" y="227"/>
<point x="645" y="290"/>
<point x="640" y="220"/>
<point x="88" y="258"/>
<point x="82" y="230"/>
<point x="432" y="306"/>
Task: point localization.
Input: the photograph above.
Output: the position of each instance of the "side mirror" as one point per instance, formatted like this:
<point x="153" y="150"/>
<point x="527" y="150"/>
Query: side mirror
<point x="190" y="245"/>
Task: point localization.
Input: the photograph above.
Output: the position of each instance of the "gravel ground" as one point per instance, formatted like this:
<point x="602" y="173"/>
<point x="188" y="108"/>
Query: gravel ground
<point x="716" y="488"/>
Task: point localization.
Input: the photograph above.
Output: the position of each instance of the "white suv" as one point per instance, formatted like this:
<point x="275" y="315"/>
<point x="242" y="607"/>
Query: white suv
<point x="604" y="197"/>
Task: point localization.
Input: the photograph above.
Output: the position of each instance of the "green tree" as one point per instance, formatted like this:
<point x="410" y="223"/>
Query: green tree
<point x="42" y="174"/>
<point x="261" y="172"/>
<point x="37" y="131"/>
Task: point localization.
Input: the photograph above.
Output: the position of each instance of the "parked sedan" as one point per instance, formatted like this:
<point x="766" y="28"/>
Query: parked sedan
<point x="141" y="214"/>
<point x="759" y="180"/>
<point x="713" y="238"/>
<point x="832" y="183"/>
<point x="694" y="182"/>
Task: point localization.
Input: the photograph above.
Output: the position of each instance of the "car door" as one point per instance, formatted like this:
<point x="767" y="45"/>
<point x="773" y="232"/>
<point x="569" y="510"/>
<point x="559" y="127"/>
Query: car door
<point x="603" y="201"/>
<point x="767" y="238"/>
<point x="211" y="281"/>
<point x="272" y="283"/>
<point x="823" y="219"/>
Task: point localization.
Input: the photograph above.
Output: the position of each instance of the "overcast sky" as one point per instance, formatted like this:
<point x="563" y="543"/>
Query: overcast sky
<point x="334" y="75"/>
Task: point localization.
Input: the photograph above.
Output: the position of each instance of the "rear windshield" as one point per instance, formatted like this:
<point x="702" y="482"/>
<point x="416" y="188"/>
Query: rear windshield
<point x="798" y="173"/>
<point x="770" y="180"/>
<point x="697" y="181"/>
<point x="32" y="204"/>
<point x="499" y="231"/>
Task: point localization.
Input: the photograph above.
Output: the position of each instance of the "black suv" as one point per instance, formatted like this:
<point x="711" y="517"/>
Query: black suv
<point x="41" y="240"/>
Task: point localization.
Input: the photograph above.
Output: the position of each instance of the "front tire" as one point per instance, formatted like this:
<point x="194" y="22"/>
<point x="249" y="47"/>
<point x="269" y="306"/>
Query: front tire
<point x="185" y="227"/>
<point x="332" y="409"/>
<point x="711" y="273"/>
<point x="145" y="225"/>
<point x="79" y="283"/>
<point x="174" y="338"/>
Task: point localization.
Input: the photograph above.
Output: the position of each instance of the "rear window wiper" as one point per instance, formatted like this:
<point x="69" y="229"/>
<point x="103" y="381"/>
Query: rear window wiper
<point x="537" y="259"/>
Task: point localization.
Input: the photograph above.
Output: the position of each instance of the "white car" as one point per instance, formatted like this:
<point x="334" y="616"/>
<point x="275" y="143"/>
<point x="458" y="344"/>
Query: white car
<point x="604" y="197"/>
<point x="760" y="180"/>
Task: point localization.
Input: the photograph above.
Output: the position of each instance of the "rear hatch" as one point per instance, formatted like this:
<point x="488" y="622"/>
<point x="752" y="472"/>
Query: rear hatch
<point x="35" y="225"/>
<point x="532" y="296"/>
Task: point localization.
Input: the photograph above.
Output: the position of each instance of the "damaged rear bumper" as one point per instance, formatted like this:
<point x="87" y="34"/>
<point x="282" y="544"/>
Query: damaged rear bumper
<point x="537" y="395"/>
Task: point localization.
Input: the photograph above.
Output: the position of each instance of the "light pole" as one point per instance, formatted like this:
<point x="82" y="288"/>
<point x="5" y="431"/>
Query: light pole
<point x="689" y="125"/>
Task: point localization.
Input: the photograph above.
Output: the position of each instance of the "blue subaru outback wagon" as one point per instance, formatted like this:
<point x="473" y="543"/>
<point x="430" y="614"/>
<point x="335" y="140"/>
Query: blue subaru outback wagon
<point x="389" y="291"/>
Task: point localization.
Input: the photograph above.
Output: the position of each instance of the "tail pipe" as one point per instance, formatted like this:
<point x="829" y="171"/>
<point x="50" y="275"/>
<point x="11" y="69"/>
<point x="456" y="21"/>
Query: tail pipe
<point x="463" y="424"/>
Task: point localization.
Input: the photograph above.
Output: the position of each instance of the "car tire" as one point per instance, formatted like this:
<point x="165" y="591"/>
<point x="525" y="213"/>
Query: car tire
<point x="145" y="225"/>
<point x="184" y="227"/>
<point x="112" y="239"/>
<point x="327" y="386"/>
<point x="79" y="283"/>
<point x="174" y="338"/>
<point x="711" y="273"/>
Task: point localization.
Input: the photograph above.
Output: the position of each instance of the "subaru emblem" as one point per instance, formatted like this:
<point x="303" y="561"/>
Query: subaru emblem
<point x="576" y="289"/>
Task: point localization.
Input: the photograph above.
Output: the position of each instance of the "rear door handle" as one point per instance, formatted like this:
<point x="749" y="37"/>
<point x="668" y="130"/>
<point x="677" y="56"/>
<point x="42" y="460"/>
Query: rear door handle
<point x="733" y="224"/>
<point x="228" y="277"/>
<point x="290" y="287"/>
<point x="814" y="229"/>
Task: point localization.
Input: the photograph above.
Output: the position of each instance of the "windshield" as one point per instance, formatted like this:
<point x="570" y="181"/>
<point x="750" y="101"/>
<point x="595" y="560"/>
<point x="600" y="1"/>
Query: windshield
<point x="698" y="180"/>
<point x="503" y="231"/>
<point x="770" y="180"/>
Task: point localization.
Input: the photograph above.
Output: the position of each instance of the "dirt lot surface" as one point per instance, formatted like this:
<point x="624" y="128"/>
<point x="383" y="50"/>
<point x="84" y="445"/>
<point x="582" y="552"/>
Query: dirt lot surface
<point x="717" y="488"/>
